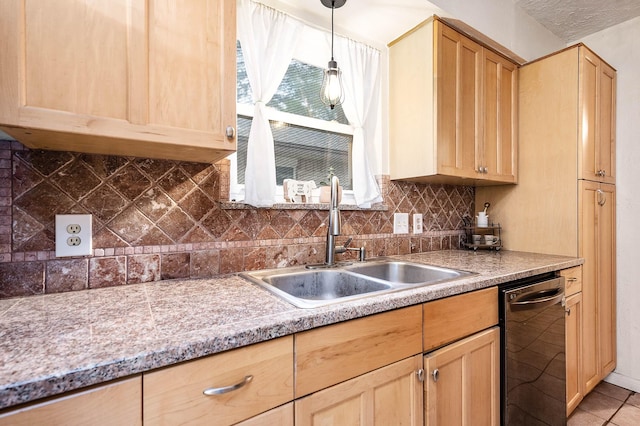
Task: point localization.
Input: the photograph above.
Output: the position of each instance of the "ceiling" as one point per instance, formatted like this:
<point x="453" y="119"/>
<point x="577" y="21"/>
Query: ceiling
<point x="376" y="22"/>
<point x="571" y="20"/>
<point x="381" y="21"/>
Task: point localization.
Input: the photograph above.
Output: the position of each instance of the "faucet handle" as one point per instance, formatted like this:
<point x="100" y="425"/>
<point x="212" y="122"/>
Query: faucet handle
<point x="346" y="243"/>
<point x="362" y="254"/>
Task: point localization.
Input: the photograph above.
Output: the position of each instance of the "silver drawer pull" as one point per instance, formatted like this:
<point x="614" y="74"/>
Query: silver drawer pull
<point x="436" y="375"/>
<point x="572" y="279"/>
<point x="227" y="389"/>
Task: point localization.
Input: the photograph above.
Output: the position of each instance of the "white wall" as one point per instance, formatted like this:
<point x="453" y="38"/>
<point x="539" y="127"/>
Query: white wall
<point x="620" y="47"/>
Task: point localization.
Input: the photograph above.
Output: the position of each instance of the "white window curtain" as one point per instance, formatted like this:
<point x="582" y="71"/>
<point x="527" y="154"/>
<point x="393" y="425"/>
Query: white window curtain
<point x="268" y="39"/>
<point x="360" y="65"/>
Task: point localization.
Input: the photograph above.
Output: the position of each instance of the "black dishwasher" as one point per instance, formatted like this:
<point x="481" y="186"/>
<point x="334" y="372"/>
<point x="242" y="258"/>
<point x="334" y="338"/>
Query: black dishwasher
<point x="533" y="371"/>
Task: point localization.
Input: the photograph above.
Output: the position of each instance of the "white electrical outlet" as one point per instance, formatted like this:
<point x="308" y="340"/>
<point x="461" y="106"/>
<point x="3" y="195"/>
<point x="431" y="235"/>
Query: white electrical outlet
<point x="417" y="223"/>
<point x="73" y="235"/>
<point x="401" y="223"/>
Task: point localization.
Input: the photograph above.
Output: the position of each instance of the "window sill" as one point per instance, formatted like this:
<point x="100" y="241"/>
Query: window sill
<point x="233" y="205"/>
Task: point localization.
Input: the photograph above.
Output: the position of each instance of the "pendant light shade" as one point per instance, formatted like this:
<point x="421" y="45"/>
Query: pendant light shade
<point x="332" y="91"/>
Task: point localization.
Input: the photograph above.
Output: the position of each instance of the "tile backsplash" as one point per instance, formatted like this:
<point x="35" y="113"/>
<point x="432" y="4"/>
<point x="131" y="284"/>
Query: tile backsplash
<point x="157" y="220"/>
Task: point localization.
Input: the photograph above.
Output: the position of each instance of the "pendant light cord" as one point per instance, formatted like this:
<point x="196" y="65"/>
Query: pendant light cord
<point x="333" y="7"/>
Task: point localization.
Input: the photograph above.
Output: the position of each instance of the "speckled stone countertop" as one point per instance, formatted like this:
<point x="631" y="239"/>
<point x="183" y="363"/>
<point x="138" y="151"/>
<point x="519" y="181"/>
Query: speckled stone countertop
<point x="56" y="343"/>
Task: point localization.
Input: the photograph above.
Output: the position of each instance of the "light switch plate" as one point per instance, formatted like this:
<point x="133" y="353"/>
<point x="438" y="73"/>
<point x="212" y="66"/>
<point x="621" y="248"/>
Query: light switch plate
<point x="401" y="223"/>
<point x="417" y="223"/>
<point x="74" y="235"/>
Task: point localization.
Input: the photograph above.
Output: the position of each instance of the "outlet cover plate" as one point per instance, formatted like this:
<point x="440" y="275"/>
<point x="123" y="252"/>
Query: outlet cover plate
<point x="401" y="223"/>
<point x="74" y="235"/>
<point x="417" y="223"/>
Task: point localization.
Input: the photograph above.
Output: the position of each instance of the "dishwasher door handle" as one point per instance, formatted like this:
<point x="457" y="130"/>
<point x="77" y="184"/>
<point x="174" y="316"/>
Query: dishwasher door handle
<point x="537" y="299"/>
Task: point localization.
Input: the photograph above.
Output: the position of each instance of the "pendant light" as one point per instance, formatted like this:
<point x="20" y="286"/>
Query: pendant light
<point x="332" y="92"/>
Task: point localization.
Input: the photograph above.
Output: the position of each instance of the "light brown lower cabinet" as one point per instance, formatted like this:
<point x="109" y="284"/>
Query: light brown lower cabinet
<point x="390" y="395"/>
<point x="332" y="354"/>
<point x="366" y="371"/>
<point x="280" y="416"/>
<point x="116" y="403"/>
<point x="462" y="383"/>
<point x="598" y="248"/>
<point x="573" y="338"/>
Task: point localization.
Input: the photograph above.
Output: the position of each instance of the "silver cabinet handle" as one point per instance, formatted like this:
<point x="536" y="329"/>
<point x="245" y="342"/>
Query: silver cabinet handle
<point x="230" y="132"/>
<point x="420" y="374"/>
<point x="436" y="375"/>
<point x="572" y="279"/>
<point x="602" y="198"/>
<point x="568" y="311"/>
<point x="227" y="389"/>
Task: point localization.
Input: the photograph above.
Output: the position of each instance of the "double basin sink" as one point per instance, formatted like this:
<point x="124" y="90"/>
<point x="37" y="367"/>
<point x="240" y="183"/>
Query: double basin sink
<point x="311" y="288"/>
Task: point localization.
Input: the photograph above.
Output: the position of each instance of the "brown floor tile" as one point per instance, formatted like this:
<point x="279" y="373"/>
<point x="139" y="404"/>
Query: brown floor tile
<point x="600" y="405"/>
<point x="584" y="418"/>
<point x="634" y="399"/>
<point x="628" y="415"/>
<point x="613" y="391"/>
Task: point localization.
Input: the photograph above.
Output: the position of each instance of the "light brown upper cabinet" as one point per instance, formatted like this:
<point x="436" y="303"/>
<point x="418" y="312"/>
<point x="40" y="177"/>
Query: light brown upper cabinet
<point x="153" y="79"/>
<point x="453" y="109"/>
<point x="597" y="101"/>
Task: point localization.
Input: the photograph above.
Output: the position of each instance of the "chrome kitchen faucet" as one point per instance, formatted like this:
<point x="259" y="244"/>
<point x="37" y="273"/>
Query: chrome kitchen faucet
<point x="333" y="230"/>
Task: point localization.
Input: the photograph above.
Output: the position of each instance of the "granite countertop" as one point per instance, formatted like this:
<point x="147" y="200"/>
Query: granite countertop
<point x="60" y="342"/>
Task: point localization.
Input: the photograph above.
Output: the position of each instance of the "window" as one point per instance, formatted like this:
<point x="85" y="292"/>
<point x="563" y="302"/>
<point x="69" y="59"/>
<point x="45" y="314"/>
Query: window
<point x="310" y="139"/>
<point x="297" y="135"/>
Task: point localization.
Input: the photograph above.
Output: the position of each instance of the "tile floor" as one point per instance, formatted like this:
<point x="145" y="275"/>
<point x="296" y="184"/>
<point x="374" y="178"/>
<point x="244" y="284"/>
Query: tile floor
<point x="608" y="405"/>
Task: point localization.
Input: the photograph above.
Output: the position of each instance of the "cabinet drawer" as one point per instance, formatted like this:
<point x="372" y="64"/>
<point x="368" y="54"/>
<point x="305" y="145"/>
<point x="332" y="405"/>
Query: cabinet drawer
<point x="174" y="395"/>
<point x="116" y="403"/>
<point x="453" y="318"/>
<point x="332" y="354"/>
<point x="572" y="280"/>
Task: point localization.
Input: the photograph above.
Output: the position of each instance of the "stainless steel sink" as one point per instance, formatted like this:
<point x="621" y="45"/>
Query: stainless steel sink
<point x="405" y="272"/>
<point x="307" y="288"/>
<point x="316" y="287"/>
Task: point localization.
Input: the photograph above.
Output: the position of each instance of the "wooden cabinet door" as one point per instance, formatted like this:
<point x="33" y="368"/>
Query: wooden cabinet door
<point x="458" y="77"/>
<point x="280" y="416"/>
<point x="391" y="395"/>
<point x="588" y="249"/>
<point x="117" y="403"/>
<point x="573" y="350"/>
<point x="140" y="78"/>
<point x="607" y="123"/>
<point x="597" y="247"/>
<point x="498" y="155"/>
<point x="597" y="111"/>
<point x="606" y="275"/>
<point x="462" y="384"/>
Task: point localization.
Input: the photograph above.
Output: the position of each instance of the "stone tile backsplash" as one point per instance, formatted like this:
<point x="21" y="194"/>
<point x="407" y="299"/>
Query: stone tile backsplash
<point x="159" y="220"/>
